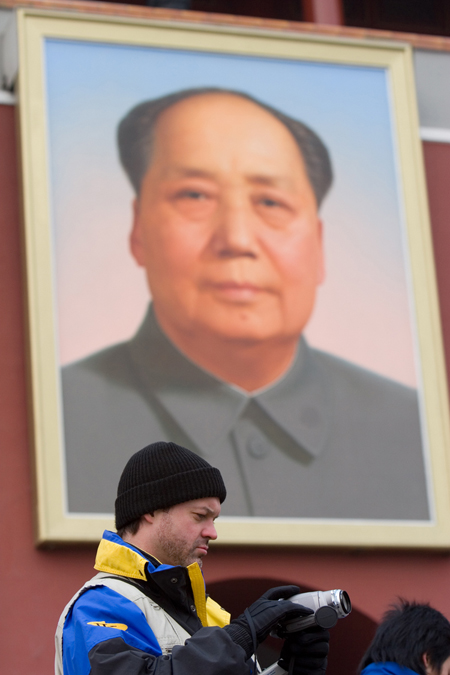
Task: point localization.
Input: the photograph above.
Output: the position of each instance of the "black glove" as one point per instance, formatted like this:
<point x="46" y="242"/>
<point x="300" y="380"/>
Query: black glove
<point x="258" y="620"/>
<point x="305" y="652"/>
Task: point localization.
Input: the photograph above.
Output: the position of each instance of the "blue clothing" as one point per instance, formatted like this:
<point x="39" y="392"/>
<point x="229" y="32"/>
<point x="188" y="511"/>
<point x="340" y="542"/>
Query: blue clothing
<point x="387" y="668"/>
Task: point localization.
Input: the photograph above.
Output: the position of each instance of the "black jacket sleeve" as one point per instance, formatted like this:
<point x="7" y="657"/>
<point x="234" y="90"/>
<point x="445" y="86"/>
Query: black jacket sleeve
<point x="209" y="652"/>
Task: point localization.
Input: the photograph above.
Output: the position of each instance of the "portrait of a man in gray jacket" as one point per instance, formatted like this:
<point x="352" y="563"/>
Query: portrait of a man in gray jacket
<point x="227" y="227"/>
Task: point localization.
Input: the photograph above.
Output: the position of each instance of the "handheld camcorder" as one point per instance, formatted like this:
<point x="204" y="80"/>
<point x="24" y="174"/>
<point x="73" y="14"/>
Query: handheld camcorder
<point x="328" y="607"/>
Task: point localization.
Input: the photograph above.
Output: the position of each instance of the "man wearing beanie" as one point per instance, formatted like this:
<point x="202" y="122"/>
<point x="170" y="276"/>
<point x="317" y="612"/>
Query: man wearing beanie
<point x="146" y="611"/>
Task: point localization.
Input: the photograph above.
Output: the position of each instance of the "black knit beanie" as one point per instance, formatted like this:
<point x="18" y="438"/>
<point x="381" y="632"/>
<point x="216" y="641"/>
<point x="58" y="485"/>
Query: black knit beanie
<point x="162" y="475"/>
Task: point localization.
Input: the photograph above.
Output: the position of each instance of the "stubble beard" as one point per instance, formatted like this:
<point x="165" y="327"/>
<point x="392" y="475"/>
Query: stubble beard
<point x="176" y="549"/>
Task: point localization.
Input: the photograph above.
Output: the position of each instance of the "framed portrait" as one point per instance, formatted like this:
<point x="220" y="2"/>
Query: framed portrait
<point x="228" y="247"/>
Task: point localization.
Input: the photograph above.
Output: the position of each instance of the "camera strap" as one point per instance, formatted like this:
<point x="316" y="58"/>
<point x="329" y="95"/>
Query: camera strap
<point x="253" y="635"/>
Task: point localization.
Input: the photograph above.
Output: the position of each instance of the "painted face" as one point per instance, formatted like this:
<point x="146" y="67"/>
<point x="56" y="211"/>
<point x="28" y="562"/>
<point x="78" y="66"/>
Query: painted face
<point x="226" y="224"/>
<point x="182" y="534"/>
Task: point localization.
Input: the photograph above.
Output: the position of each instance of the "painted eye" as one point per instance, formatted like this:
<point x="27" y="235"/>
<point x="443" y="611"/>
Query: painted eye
<point x="192" y="194"/>
<point x="269" y="202"/>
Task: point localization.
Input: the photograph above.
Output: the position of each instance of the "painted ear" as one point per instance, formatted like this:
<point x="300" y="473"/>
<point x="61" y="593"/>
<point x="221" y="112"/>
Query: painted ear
<point x="321" y="271"/>
<point x="135" y="240"/>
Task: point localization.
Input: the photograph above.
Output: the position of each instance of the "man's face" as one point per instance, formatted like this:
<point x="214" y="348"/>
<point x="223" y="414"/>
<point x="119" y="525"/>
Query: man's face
<point x="444" y="670"/>
<point x="181" y="535"/>
<point x="226" y="224"/>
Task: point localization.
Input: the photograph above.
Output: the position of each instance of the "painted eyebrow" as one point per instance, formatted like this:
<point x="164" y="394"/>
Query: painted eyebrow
<point x="256" y="179"/>
<point x="189" y="172"/>
<point x="267" y="180"/>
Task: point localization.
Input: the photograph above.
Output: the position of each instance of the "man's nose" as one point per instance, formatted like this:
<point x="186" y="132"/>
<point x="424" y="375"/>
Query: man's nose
<point x="210" y="532"/>
<point x="235" y="230"/>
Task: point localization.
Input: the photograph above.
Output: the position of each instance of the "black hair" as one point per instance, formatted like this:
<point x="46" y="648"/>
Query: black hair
<point x="135" y="138"/>
<point x="407" y="632"/>
<point x="131" y="528"/>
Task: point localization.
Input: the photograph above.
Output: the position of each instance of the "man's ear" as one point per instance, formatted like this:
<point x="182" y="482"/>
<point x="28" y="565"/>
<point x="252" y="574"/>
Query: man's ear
<point x="427" y="664"/>
<point x="321" y="268"/>
<point x="149" y="518"/>
<point x="136" y="243"/>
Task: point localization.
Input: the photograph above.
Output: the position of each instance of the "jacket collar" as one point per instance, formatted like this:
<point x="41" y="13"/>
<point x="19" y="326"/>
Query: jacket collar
<point x="116" y="556"/>
<point x="207" y="408"/>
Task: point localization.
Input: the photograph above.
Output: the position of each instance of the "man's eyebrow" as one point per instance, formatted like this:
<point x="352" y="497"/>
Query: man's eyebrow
<point x="207" y="510"/>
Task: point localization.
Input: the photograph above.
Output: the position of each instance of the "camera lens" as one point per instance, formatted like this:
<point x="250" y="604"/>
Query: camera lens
<point x="345" y="602"/>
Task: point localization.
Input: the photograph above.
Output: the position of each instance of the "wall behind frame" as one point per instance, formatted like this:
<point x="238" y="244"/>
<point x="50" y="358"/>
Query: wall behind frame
<point x="36" y="584"/>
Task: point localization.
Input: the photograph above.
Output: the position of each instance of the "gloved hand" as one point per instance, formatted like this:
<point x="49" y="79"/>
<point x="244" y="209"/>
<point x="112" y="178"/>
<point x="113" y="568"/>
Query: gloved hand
<point x="305" y="652"/>
<point x="258" y="620"/>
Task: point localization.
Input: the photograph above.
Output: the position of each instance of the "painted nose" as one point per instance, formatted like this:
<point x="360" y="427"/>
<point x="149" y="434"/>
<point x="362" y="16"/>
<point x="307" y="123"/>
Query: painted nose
<point x="234" y="233"/>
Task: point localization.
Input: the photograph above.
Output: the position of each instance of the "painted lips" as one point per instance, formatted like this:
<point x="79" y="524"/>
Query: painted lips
<point x="235" y="291"/>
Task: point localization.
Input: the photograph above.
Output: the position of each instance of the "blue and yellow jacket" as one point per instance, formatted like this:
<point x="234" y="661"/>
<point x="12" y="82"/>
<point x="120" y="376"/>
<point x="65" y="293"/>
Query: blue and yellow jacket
<point x="138" y="616"/>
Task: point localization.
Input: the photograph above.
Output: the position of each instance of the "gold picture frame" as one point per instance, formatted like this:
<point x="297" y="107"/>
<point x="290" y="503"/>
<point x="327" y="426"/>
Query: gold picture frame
<point x="37" y="29"/>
